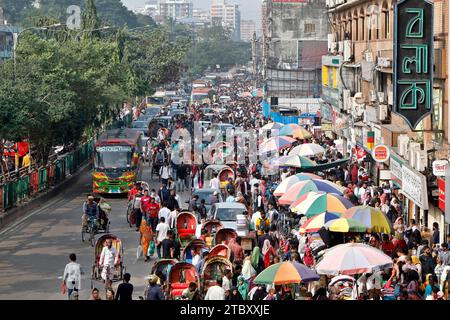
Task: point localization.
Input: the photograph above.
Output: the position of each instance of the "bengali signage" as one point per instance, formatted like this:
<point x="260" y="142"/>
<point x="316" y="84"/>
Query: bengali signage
<point x="441" y="188"/>
<point x="114" y="149"/>
<point x="414" y="186"/>
<point x="380" y="153"/>
<point x="395" y="167"/>
<point x="413" y="52"/>
<point x="439" y="167"/>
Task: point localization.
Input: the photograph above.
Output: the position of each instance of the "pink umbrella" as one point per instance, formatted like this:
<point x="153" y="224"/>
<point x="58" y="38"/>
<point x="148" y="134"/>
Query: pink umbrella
<point x="353" y="258"/>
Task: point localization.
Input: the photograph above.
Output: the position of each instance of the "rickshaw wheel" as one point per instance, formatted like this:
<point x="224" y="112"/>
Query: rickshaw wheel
<point x="92" y="237"/>
<point x="82" y="234"/>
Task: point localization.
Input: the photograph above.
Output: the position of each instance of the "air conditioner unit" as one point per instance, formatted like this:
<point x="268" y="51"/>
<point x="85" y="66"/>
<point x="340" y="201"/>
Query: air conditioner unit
<point x="402" y="142"/>
<point x="372" y="96"/>
<point x="347" y="50"/>
<point x="341" y="47"/>
<point x="421" y="160"/>
<point x="381" y="97"/>
<point x="331" y="42"/>
<point x="382" y="112"/>
<point x="413" y="148"/>
<point x="390" y="98"/>
<point x="346" y="96"/>
<point x="368" y="56"/>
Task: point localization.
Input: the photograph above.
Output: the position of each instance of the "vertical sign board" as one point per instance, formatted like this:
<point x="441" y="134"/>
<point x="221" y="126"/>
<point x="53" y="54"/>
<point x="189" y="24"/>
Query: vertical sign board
<point x="413" y="60"/>
<point x="447" y="193"/>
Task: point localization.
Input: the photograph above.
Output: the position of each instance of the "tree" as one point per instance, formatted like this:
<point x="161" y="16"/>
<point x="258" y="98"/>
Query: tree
<point x="14" y="9"/>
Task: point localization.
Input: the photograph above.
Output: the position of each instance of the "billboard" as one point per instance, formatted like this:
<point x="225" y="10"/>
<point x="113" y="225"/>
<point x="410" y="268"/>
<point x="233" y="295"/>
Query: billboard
<point x="413" y="60"/>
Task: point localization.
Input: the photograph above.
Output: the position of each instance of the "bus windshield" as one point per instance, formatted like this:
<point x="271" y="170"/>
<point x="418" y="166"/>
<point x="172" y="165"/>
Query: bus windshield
<point x="113" y="157"/>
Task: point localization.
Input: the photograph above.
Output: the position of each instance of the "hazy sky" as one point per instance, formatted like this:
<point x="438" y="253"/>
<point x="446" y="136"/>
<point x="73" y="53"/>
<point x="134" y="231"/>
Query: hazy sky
<point x="250" y="9"/>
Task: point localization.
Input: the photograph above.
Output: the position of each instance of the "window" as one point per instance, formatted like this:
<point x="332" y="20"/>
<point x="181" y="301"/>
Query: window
<point x="310" y="28"/>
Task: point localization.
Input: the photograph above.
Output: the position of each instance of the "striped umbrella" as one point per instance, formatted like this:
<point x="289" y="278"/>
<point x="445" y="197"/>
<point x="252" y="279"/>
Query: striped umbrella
<point x="275" y="144"/>
<point x="314" y="203"/>
<point x="316" y="223"/>
<point x="299" y="162"/>
<point x="374" y="219"/>
<point x="302" y="187"/>
<point x="287" y="272"/>
<point x="352" y="258"/>
<point x="345" y="225"/>
<point x="295" y="131"/>
<point x="307" y="150"/>
<point x="272" y="126"/>
<point x="287" y="183"/>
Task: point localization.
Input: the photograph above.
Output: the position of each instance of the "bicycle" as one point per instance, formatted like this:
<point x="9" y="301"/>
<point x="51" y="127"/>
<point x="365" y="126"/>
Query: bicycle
<point x="91" y="229"/>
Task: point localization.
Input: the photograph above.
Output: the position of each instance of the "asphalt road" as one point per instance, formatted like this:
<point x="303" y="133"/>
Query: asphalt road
<point x="35" y="249"/>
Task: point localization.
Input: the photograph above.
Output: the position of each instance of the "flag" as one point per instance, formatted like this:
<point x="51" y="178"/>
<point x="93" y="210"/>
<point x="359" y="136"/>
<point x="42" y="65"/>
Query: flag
<point x="370" y="139"/>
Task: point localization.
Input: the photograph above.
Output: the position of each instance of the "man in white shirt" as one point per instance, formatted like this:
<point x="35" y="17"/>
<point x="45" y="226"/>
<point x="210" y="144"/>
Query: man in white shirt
<point x="253" y="182"/>
<point x="72" y="275"/>
<point x="153" y="194"/>
<point x="216" y="292"/>
<point x="226" y="282"/>
<point x="108" y="261"/>
<point x="214" y="183"/>
<point x="161" y="234"/>
<point x="164" y="212"/>
<point x="173" y="218"/>
<point x="196" y="257"/>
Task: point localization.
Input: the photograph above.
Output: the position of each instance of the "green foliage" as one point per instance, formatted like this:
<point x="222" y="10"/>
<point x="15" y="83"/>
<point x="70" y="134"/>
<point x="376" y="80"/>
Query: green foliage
<point x="15" y="9"/>
<point x="216" y="48"/>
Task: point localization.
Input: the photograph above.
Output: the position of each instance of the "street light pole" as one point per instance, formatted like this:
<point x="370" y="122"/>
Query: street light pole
<point x="16" y="41"/>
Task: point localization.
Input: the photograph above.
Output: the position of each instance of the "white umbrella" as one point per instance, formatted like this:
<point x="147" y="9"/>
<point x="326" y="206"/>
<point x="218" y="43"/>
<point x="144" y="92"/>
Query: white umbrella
<point x="307" y="150"/>
<point x="353" y="258"/>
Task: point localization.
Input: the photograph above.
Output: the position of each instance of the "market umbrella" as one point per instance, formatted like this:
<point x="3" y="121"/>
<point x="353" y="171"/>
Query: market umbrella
<point x="272" y="126"/>
<point x="257" y="93"/>
<point x="352" y="258"/>
<point x="295" y="131"/>
<point x="314" y="203"/>
<point x="302" y="187"/>
<point x="287" y="183"/>
<point x="286" y="273"/>
<point x="246" y="94"/>
<point x="315" y="223"/>
<point x="275" y="143"/>
<point x="340" y="278"/>
<point x="307" y="150"/>
<point x="345" y="225"/>
<point x="374" y="219"/>
<point x="298" y="162"/>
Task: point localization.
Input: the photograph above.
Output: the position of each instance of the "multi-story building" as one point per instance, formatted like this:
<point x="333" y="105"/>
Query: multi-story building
<point x="358" y="86"/>
<point x="248" y="28"/>
<point x="175" y="9"/>
<point x="8" y="36"/>
<point x="295" y="38"/>
<point x="201" y="15"/>
<point x="228" y="15"/>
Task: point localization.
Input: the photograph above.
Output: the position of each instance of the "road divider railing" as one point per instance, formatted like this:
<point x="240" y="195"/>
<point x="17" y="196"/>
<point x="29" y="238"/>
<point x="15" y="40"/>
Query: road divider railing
<point x="38" y="180"/>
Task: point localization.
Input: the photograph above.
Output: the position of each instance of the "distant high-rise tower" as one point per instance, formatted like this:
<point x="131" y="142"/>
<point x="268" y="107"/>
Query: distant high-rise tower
<point x="229" y="16"/>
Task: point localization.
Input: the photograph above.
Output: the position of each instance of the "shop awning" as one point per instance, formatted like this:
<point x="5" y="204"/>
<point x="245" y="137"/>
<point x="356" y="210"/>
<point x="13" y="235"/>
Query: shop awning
<point x="326" y="166"/>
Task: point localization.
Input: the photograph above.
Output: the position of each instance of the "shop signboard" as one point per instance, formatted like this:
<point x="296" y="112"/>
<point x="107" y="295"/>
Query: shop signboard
<point x="441" y="188"/>
<point x="396" y="170"/>
<point x="413" y="60"/>
<point x="414" y="186"/>
<point x="446" y="194"/>
<point x="380" y="153"/>
<point x="439" y="167"/>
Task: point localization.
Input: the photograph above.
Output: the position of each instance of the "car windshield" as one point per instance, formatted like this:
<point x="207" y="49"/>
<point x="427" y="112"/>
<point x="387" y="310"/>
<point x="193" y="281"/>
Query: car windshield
<point x="228" y="214"/>
<point x="208" y="196"/>
<point x="139" y="124"/>
<point x="113" y="157"/>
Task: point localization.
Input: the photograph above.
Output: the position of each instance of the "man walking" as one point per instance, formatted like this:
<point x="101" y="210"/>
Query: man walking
<point x="72" y="275"/>
<point x="125" y="289"/>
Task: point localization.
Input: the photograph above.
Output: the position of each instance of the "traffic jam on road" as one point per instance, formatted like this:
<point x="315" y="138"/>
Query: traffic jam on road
<point x="230" y="205"/>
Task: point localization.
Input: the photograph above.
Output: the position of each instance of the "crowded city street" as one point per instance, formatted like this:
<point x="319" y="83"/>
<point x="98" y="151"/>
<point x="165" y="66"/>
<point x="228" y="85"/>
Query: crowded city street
<point x="166" y="152"/>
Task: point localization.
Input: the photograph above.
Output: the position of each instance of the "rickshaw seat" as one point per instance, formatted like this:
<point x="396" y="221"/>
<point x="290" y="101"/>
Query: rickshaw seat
<point x="186" y="232"/>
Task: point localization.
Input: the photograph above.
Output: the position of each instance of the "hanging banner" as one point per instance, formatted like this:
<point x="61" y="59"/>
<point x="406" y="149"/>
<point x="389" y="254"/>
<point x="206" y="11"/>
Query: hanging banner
<point x="441" y="186"/>
<point x="414" y="186"/>
<point x="413" y="52"/>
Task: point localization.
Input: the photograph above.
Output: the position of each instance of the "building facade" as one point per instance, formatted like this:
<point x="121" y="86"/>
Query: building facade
<point x="358" y="87"/>
<point x="248" y="28"/>
<point x="8" y="37"/>
<point x="228" y="15"/>
<point x="175" y="9"/>
<point x="294" y="39"/>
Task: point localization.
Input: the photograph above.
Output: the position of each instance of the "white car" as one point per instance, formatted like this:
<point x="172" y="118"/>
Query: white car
<point x="227" y="212"/>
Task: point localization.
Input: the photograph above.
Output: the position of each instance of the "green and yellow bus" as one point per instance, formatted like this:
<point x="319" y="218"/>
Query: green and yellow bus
<point x="117" y="161"/>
